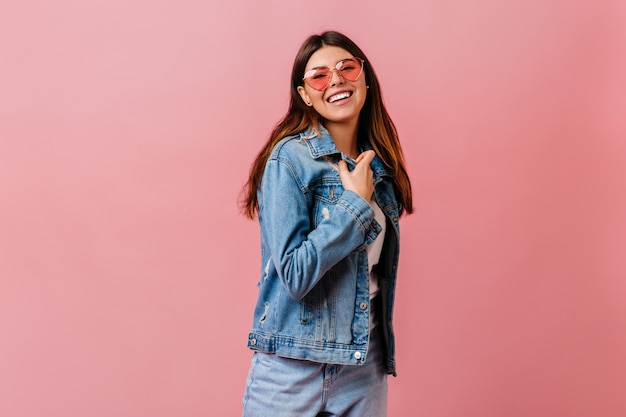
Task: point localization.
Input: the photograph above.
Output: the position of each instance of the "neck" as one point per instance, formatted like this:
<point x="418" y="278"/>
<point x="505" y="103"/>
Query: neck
<point x="345" y="137"/>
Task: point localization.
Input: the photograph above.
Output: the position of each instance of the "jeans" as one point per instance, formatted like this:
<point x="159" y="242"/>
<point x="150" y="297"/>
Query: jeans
<point x="283" y="387"/>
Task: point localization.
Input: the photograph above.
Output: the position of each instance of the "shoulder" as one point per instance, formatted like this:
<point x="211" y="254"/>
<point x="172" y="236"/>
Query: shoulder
<point x="289" y="160"/>
<point x="303" y="157"/>
<point x="297" y="148"/>
<point x="291" y="148"/>
<point x="309" y="144"/>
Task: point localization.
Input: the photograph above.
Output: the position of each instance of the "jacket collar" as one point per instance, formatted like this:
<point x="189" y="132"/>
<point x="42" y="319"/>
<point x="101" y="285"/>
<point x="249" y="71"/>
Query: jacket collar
<point x="323" y="145"/>
<point x="319" y="144"/>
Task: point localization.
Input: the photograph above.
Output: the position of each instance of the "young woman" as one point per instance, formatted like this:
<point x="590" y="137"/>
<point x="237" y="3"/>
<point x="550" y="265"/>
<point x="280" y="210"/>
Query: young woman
<point x="328" y="188"/>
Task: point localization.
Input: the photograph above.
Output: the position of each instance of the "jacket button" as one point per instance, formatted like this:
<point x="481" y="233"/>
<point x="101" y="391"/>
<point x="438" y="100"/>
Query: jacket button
<point x="357" y="355"/>
<point x="363" y="306"/>
<point x="252" y="342"/>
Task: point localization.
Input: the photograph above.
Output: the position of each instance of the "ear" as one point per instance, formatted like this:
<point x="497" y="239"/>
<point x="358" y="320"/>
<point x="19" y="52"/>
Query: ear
<point x="304" y="95"/>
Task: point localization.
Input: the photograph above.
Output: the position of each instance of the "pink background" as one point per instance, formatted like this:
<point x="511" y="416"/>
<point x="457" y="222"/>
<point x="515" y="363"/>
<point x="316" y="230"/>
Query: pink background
<point x="127" y="275"/>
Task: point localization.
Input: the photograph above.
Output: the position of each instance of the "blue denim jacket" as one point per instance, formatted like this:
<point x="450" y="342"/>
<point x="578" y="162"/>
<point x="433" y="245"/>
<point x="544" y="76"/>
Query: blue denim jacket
<point x="313" y="299"/>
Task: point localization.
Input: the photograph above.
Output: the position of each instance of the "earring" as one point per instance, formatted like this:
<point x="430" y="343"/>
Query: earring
<point x="367" y="86"/>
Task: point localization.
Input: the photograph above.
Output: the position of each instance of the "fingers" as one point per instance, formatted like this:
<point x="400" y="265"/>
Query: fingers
<point x="366" y="156"/>
<point x="344" y="172"/>
<point x="360" y="179"/>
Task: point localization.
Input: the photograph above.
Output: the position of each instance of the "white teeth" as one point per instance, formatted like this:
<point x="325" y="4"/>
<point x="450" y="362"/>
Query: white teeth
<point x="339" y="96"/>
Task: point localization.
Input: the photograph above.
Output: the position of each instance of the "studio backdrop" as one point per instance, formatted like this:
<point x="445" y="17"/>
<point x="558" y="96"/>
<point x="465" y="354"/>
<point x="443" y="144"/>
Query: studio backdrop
<point x="127" y="129"/>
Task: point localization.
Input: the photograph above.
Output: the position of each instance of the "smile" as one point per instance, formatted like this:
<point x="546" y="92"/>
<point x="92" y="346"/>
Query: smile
<point x="340" y="96"/>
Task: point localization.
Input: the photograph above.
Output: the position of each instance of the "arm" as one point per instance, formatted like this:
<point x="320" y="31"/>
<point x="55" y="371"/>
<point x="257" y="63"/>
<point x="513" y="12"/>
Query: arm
<point x="301" y="254"/>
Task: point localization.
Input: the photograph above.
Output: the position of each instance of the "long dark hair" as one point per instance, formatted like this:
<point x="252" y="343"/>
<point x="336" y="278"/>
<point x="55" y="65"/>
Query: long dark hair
<point x="375" y="125"/>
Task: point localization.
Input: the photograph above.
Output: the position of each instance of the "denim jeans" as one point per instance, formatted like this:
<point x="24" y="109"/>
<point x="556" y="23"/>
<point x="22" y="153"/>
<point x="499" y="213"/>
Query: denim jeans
<point x="283" y="387"/>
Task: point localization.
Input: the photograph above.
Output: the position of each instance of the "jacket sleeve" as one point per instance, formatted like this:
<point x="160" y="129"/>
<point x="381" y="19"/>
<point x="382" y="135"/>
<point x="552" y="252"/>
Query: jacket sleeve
<point x="300" y="253"/>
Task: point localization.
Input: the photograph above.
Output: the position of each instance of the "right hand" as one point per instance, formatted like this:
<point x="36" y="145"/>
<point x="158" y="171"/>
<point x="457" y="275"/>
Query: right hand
<point x="361" y="179"/>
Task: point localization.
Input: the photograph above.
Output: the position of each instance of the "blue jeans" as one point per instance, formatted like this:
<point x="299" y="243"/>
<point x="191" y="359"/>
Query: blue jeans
<point x="283" y="387"/>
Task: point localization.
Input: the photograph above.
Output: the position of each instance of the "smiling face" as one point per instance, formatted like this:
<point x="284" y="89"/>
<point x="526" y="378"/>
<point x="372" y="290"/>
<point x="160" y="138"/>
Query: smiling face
<point x="342" y="100"/>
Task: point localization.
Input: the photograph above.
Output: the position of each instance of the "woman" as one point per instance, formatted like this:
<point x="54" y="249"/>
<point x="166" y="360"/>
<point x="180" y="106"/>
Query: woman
<point x="328" y="187"/>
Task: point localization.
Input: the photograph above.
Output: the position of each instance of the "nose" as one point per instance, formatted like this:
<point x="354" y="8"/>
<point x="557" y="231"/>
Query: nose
<point x="335" y="77"/>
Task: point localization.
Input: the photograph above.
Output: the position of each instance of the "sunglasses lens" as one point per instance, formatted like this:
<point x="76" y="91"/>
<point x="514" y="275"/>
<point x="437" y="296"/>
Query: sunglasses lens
<point x="350" y="69"/>
<point x="318" y="79"/>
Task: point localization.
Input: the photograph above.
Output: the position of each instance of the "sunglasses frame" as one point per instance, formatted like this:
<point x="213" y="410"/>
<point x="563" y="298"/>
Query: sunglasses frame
<point x="310" y="73"/>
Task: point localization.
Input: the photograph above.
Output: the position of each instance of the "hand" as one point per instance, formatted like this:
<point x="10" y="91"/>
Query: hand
<point x="361" y="178"/>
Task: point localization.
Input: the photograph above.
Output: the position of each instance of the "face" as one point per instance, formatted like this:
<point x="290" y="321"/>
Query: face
<point x="342" y="100"/>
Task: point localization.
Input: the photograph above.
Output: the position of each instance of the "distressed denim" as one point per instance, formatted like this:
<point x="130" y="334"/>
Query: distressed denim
<point x="313" y="300"/>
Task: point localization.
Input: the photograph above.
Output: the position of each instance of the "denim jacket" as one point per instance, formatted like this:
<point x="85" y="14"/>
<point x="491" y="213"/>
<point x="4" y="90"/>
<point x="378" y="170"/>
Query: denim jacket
<point x="313" y="300"/>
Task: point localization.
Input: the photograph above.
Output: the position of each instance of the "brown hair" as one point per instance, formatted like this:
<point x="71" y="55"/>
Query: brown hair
<point x="375" y="125"/>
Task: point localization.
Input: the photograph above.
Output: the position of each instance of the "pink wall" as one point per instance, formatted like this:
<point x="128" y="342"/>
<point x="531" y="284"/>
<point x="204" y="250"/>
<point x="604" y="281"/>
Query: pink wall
<point x="127" y="276"/>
